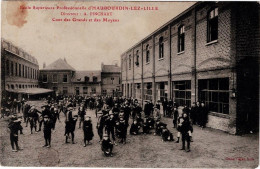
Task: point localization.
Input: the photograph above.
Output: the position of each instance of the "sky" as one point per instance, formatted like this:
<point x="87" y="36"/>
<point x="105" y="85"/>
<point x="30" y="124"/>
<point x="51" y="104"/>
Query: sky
<point x="85" y="45"/>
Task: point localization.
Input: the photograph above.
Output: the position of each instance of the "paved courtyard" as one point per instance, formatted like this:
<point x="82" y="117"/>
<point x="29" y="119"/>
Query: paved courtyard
<point x="211" y="148"/>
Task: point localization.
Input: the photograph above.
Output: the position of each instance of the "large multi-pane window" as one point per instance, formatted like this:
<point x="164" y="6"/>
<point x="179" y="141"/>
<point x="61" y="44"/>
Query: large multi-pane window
<point x="54" y="78"/>
<point x="65" y="78"/>
<point x="147" y="57"/>
<point x="161" y="48"/>
<point x="181" y="39"/>
<point x="161" y="91"/>
<point x="44" y="78"/>
<point x="215" y="93"/>
<point x="182" y="92"/>
<point x="212" y="33"/>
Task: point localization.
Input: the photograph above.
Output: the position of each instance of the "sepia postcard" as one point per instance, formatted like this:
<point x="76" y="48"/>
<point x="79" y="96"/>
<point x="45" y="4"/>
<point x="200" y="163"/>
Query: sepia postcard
<point x="130" y="84"/>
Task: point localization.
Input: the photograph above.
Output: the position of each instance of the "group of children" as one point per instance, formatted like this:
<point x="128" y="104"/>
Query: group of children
<point x="112" y="123"/>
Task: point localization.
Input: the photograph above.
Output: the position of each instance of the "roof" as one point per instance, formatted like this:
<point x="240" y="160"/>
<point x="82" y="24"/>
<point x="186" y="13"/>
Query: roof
<point x="80" y="75"/>
<point x="59" y="64"/>
<point x="110" y="69"/>
<point x="15" y="50"/>
<point x="30" y="91"/>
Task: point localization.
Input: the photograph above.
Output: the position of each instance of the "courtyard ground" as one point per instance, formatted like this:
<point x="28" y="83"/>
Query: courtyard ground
<point x="211" y="148"/>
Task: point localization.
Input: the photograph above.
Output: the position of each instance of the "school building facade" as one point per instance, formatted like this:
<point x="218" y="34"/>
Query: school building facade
<point x="210" y="52"/>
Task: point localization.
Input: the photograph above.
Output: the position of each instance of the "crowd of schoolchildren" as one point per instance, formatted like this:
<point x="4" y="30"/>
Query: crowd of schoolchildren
<point x="113" y="119"/>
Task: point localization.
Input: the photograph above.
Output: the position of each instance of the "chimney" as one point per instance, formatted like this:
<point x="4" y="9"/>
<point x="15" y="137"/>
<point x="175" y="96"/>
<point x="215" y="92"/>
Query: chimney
<point x="65" y="60"/>
<point x="44" y="65"/>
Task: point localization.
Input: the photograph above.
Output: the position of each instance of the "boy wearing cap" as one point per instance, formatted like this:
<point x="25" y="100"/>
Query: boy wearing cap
<point x="88" y="130"/>
<point x="14" y="126"/>
<point x="48" y="125"/>
<point x="107" y="146"/>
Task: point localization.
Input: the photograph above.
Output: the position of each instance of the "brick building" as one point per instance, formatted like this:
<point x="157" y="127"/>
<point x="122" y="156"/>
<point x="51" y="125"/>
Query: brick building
<point x="65" y="80"/>
<point x="210" y="52"/>
<point x="19" y="71"/>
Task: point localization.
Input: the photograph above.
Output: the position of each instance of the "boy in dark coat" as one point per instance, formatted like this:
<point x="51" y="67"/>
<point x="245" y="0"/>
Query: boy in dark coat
<point x="71" y="129"/>
<point x="88" y="130"/>
<point x="110" y="126"/>
<point x="107" y="146"/>
<point x="166" y="134"/>
<point x="14" y="126"/>
<point x="158" y="127"/>
<point x="48" y="125"/>
<point x="122" y="130"/>
<point x="185" y="129"/>
<point x="134" y="130"/>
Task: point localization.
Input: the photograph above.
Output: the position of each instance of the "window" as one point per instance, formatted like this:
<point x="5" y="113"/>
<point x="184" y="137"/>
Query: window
<point x="181" y="38"/>
<point x="137" y="58"/>
<point x="65" y="90"/>
<point x="7" y="67"/>
<point x="20" y="71"/>
<point x="12" y="68"/>
<point x="93" y="90"/>
<point x="161" y="48"/>
<point x="94" y="79"/>
<point x="112" y="80"/>
<point x="85" y="90"/>
<point x="182" y="92"/>
<point x="86" y="79"/>
<point x="25" y="71"/>
<point x="55" y="78"/>
<point x="212" y="33"/>
<point x="215" y="93"/>
<point x="23" y="75"/>
<point x="44" y="78"/>
<point x="129" y="62"/>
<point x="65" y="78"/>
<point x="147" y="54"/>
<point x="16" y="69"/>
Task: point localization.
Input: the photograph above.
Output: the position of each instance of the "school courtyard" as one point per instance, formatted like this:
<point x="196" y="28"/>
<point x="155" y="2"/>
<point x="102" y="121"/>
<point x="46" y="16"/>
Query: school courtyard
<point x="211" y="148"/>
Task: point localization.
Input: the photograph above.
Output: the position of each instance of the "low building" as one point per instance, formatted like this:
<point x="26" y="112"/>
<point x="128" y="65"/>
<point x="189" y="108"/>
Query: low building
<point x="65" y="80"/>
<point x="210" y="52"/>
